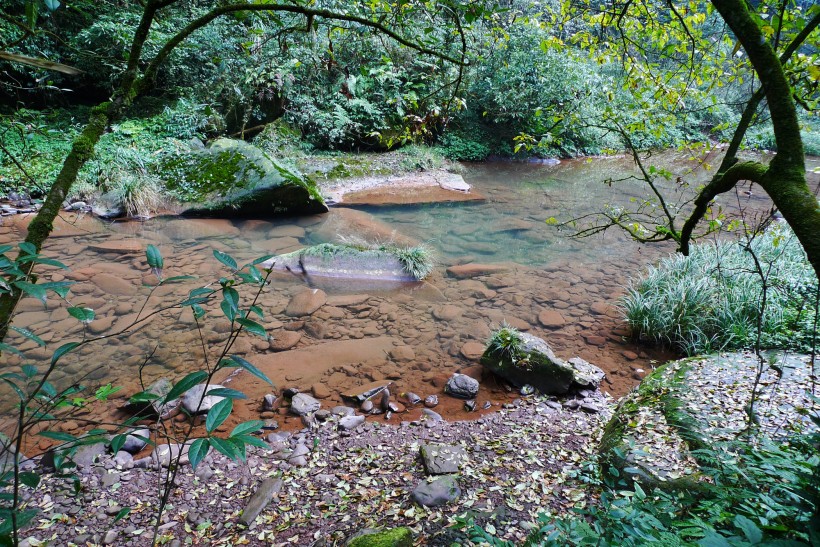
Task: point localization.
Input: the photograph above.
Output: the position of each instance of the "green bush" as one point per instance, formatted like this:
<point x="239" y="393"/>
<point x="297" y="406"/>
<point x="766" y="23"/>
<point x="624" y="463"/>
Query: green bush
<point x="711" y="299"/>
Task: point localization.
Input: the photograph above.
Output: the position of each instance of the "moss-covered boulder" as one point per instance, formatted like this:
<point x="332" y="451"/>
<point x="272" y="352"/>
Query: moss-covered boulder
<point x="376" y="263"/>
<point x="689" y="414"/>
<point x="234" y="179"/>
<point x="394" y="537"/>
<point x="522" y="358"/>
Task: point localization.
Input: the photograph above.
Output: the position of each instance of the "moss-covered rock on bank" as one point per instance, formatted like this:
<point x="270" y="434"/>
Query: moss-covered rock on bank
<point x="232" y="178"/>
<point x="657" y="432"/>
<point x="522" y="358"/>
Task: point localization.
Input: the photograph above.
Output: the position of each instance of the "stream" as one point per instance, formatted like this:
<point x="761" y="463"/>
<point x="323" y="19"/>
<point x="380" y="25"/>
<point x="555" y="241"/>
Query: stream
<point x="539" y="280"/>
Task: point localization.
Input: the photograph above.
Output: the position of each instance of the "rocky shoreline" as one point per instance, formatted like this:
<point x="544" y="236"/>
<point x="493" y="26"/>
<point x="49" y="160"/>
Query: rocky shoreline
<point x="329" y="482"/>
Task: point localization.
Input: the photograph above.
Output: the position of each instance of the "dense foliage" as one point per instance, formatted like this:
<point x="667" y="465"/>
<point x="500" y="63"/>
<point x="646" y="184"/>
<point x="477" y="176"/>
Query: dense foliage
<point x="714" y="298"/>
<point x="531" y="82"/>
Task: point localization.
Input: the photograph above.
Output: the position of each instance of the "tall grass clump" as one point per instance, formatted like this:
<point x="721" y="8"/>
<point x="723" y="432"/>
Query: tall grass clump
<point x="712" y="299"/>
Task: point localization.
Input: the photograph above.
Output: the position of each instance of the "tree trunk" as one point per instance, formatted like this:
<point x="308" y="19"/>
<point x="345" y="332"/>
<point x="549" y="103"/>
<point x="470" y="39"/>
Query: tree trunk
<point x="785" y="178"/>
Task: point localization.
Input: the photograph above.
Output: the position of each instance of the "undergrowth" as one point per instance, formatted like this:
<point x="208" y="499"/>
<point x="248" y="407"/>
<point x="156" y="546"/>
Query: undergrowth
<point x="711" y="299"/>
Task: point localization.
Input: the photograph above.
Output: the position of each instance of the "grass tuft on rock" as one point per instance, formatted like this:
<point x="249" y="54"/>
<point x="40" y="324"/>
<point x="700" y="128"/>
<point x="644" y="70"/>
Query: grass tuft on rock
<point x="505" y="343"/>
<point x="711" y="299"/>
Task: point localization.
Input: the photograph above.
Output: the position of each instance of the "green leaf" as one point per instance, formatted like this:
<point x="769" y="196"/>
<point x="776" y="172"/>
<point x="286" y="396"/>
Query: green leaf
<point x="10" y="349"/>
<point x="247" y="439"/>
<point x="50" y="262"/>
<point x="711" y="539"/>
<point x="218" y="414"/>
<point x="750" y="529"/>
<point x="20" y="393"/>
<point x="62" y="350"/>
<point x="185" y="384"/>
<point x="28" y="248"/>
<point x="30" y="289"/>
<point x="84" y="315"/>
<point x="29" y="371"/>
<point x="59" y="287"/>
<point x="117" y="442"/>
<point x="30" y="479"/>
<point x="143" y="397"/>
<point x="58" y="436"/>
<point x="231" y="297"/>
<point x="197" y="451"/>
<point x="226" y="259"/>
<point x="177" y="279"/>
<point x="247" y="427"/>
<point x="227" y="392"/>
<point x="154" y="257"/>
<point x="253" y="327"/>
<point x="242" y="363"/>
<point x="224" y="447"/>
<point x="28" y="334"/>
<point x="122" y="514"/>
<point x="260" y="260"/>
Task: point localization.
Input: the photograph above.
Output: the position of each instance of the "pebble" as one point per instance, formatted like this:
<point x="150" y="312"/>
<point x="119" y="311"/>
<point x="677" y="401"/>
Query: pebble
<point x="431" y="401"/>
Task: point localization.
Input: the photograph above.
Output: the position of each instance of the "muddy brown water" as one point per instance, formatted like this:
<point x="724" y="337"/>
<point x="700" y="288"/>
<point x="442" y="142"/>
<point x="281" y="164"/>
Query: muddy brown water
<point x="561" y="289"/>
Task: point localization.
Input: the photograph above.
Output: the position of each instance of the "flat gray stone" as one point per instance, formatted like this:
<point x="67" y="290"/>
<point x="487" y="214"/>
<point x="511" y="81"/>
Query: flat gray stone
<point x="343" y="411"/>
<point x="442" y="459"/>
<point x="190" y="399"/>
<point x="462" y="386"/>
<point x="440" y="491"/>
<point x="350" y="422"/>
<point x="260" y="499"/>
<point x="303" y="404"/>
<point x="164" y="454"/>
<point x="87" y="455"/>
<point x="136" y="441"/>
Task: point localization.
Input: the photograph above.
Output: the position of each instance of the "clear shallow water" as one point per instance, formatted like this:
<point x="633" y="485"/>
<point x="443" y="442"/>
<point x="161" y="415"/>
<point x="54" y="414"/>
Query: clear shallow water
<point x="578" y="279"/>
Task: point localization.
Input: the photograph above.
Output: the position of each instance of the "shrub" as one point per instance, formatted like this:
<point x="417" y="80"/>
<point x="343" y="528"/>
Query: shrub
<point x="711" y="299"/>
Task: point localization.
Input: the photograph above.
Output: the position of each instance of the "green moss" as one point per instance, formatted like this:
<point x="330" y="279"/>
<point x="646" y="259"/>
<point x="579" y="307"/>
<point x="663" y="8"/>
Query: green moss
<point x="395" y="537"/>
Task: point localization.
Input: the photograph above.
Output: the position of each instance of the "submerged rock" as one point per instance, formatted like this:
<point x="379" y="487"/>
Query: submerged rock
<point x="523" y="359"/>
<point x="235" y="179"/>
<point x="377" y="263"/>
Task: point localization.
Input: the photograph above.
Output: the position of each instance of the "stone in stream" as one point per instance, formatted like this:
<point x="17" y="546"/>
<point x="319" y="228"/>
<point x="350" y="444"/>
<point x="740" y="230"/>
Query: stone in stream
<point x="303" y="404"/>
<point x="190" y="400"/>
<point x="462" y="386"/>
<point x="362" y="393"/>
<point x="440" y="491"/>
<point x="260" y="499"/>
<point x="522" y="359"/>
<point x="375" y="263"/>
<point x="306" y="302"/>
<point x="442" y="459"/>
<point x="235" y="179"/>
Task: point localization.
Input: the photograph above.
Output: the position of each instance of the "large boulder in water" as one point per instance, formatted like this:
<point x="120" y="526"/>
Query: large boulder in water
<point x="235" y="179"/>
<point x="376" y="263"/>
<point x="522" y="358"/>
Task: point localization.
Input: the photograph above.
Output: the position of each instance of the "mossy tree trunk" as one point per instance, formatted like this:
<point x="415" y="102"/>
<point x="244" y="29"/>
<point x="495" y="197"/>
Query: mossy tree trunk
<point x="784" y="178"/>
